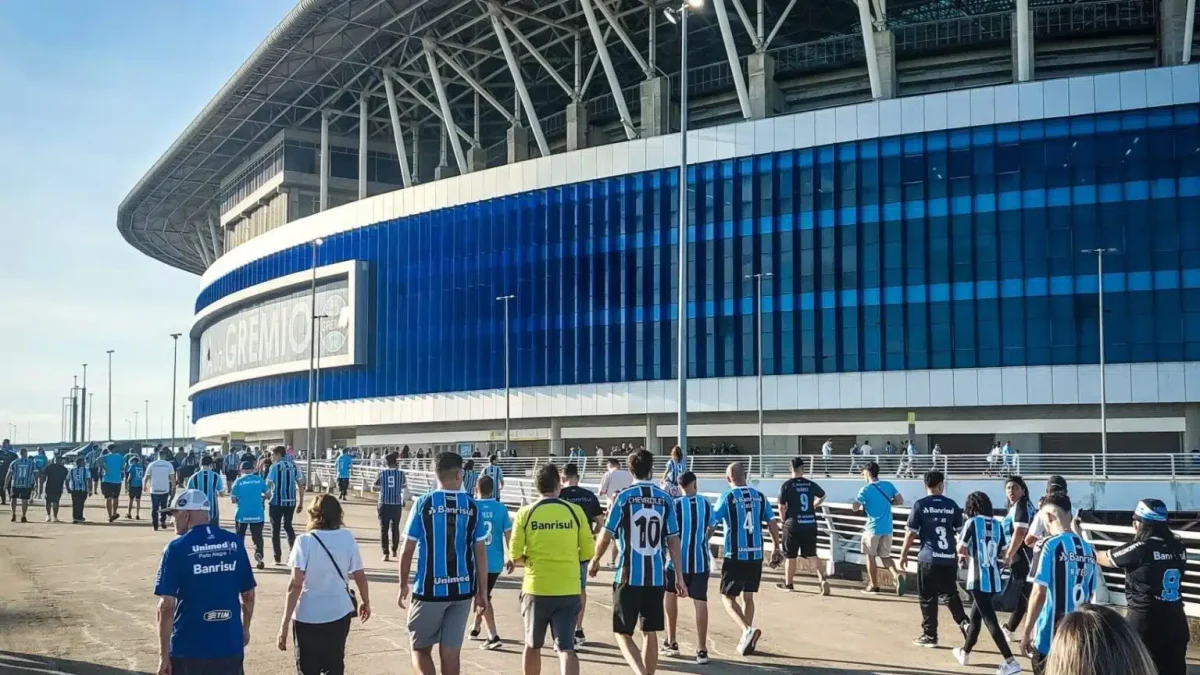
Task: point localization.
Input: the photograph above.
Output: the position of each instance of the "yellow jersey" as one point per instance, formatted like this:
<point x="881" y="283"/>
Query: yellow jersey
<point x="554" y="537"/>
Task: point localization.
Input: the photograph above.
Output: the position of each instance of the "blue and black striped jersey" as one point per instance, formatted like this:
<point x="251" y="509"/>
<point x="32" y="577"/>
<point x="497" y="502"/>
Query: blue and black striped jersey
<point x="77" y="479"/>
<point x="445" y="526"/>
<point x="1066" y="567"/>
<point x="390" y="485"/>
<point x="22" y="472"/>
<point x="641" y="518"/>
<point x="496" y="473"/>
<point x="744" y="510"/>
<point x="695" y="516"/>
<point x="469" y="479"/>
<point x="210" y="483"/>
<point x="984" y="539"/>
<point x="283" y="477"/>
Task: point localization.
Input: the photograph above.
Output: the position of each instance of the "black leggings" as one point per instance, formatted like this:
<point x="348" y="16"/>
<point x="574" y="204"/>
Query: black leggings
<point x="321" y="647"/>
<point x="1165" y="634"/>
<point x="1020" y="571"/>
<point x="281" y="520"/>
<point x="982" y="612"/>
<point x="389" y="523"/>
<point x="77" y="500"/>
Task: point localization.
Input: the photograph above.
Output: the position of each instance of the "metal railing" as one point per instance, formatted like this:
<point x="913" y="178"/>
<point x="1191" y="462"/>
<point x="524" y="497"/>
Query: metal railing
<point x="839" y="529"/>
<point x="1093" y="466"/>
<point x="1105" y="16"/>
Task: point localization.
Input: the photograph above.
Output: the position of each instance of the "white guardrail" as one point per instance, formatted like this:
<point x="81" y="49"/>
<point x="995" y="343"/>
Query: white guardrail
<point x="1123" y="466"/>
<point x="839" y="528"/>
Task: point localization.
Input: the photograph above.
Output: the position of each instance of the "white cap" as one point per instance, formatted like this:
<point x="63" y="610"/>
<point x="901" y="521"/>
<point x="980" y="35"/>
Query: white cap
<point x="190" y="500"/>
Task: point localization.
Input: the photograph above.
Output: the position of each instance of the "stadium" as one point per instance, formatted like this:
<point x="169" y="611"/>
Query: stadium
<point x="916" y="195"/>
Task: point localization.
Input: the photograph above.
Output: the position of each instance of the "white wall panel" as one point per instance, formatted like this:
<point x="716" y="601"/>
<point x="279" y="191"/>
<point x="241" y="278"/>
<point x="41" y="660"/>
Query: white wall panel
<point x="1008" y="105"/>
<point x="1039" y="385"/>
<point x="983" y="106"/>
<point x="918" y="388"/>
<point x="850" y="390"/>
<point x="1185" y="85"/>
<point x="936" y="115"/>
<point x="1158" y="87"/>
<point x="1083" y="95"/>
<point x="941" y="388"/>
<point x="1013" y="386"/>
<point x="872" y="390"/>
<point x="1191" y="374"/>
<point x="1133" y="90"/>
<point x="828" y="391"/>
<point x="746" y="396"/>
<point x="845" y="124"/>
<point x="1171" y="387"/>
<point x="826" y="126"/>
<point x="783" y="133"/>
<point x="868" y="119"/>
<point x="804" y="129"/>
<point x="789" y="394"/>
<point x="1143" y="382"/>
<point x="990" y="386"/>
<point x="1089" y="383"/>
<point x="743" y="135"/>
<point x="1029" y="101"/>
<point x="1117" y="383"/>
<point x="709" y="395"/>
<point x="770" y="392"/>
<point x="958" y="109"/>
<point x="1066" y="384"/>
<point x="966" y="387"/>
<point x="895" y="389"/>
<point x="890" y="118"/>
<point x="635" y="161"/>
<point x="912" y="114"/>
<point x="1108" y="92"/>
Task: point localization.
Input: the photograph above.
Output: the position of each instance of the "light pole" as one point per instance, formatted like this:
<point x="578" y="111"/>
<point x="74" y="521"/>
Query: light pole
<point x="135" y="418"/>
<point x="174" y="382"/>
<point x="110" y="353"/>
<point x="317" y="385"/>
<point x="83" y="406"/>
<point x="130" y="423"/>
<point x="1100" y="253"/>
<point x="312" y="357"/>
<point x="147" y="418"/>
<point x="758" y="281"/>
<point x="90" y="416"/>
<point x="679" y="15"/>
<point x="507" y="390"/>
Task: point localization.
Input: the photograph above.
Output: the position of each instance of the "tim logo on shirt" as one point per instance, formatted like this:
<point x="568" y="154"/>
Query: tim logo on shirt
<point x="218" y="615"/>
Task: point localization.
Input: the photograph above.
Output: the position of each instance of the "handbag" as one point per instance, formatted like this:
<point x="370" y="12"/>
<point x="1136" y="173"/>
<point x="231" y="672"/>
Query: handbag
<point x="349" y="591"/>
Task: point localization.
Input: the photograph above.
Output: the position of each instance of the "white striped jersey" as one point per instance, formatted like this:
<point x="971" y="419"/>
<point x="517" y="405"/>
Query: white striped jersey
<point x="984" y="539"/>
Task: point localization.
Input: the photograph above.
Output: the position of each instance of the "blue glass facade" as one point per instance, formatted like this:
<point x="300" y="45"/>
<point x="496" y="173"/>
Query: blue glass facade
<point x="951" y="249"/>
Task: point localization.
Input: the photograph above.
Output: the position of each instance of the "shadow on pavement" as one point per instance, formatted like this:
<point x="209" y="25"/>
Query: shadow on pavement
<point x="12" y="662"/>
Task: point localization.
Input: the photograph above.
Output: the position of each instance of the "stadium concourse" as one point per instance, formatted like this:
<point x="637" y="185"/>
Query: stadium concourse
<point x="79" y="600"/>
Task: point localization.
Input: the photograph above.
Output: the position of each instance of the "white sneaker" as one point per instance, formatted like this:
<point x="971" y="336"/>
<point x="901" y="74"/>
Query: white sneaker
<point x="1010" y="667"/>
<point x="1010" y="635"/>
<point x="963" y="658"/>
<point x="744" y="644"/>
<point x="47" y="519"/>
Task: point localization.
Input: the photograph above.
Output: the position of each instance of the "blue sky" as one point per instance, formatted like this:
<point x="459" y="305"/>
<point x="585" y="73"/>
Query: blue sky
<point x="93" y="93"/>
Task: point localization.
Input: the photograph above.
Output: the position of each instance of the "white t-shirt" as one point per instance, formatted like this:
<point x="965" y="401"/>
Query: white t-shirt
<point x="158" y="476"/>
<point x="866" y="449"/>
<point x="324" y="598"/>
<point x="1037" y="528"/>
<point x="614" y="481"/>
<point x="827" y="449"/>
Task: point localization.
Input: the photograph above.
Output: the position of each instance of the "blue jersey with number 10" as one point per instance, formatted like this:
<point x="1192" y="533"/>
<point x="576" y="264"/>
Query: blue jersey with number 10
<point x="743" y="510"/>
<point x="642" y="518"/>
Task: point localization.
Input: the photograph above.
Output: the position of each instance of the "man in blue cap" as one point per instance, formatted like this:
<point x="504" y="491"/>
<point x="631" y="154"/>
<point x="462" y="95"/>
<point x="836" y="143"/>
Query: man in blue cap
<point x="206" y="595"/>
<point x="249" y="493"/>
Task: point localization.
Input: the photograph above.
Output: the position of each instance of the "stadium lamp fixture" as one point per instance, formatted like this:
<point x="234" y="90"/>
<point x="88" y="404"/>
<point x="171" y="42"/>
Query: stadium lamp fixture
<point x="672" y="13"/>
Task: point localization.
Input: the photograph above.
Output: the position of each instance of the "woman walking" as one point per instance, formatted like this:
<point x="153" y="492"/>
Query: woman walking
<point x="320" y="603"/>
<point x="979" y="545"/>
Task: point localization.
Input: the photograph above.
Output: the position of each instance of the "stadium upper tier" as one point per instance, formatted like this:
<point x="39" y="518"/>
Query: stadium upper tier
<point x="402" y="92"/>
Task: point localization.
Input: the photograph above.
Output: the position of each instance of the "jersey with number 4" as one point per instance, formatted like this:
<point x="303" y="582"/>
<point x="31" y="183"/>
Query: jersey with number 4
<point x="936" y="519"/>
<point x="642" y="518"/>
<point x="1066" y="567"/>
<point x="743" y="510"/>
<point x="1153" y="573"/>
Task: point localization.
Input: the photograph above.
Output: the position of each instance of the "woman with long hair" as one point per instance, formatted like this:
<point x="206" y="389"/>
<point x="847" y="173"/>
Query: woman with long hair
<point x="1095" y="640"/>
<point x="1018" y="556"/>
<point x="675" y="468"/>
<point x="979" y="544"/>
<point x="1154" y="563"/>
<point x="320" y="604"/>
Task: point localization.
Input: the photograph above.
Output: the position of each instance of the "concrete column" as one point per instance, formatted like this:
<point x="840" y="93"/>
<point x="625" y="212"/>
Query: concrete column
<point x="656" y="107"/>
<point x="885" y="48"/>
<point x="765" y="99"/>
<point x="577" y="126"/>
<point x="476" y="159"/>
<point x="1191" y="427"/>
<point x="556" y="439"/>
<point x="518" y="144"/>
<point x="1172" y="17"/>
<point x="1016" y="54"/>
<point x="652" y="440"/>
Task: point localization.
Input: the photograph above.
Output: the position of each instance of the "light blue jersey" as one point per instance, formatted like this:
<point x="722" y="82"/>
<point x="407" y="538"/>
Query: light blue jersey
<point x="496" y="522"/>
<point x="344" y="463"/>
<point x="249" y="492"/>
<point x="876" y="499"/>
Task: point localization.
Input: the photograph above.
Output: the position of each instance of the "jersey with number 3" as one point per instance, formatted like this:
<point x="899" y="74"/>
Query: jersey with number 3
<point x="936" y="519"/>
<point x="743" y="511"/>
<point x="642" y="518"/>
<point x="1067" y="568"/>
<point x="1153" y="573"/>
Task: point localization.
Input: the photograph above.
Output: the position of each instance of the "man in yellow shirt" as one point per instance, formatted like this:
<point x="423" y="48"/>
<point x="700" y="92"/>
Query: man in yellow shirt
<point x="550" y="537"/>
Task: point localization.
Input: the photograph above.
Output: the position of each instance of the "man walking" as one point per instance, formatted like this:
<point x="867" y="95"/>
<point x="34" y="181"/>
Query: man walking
<point x="494" y="471"/>
<point x="499" y="533"/>
<point x="446" y="536"/>
<point x="586" y="500"/>
<point x="22" y="476"/>
<point x="112" y="474"/>
<point x="643" y="521"/>
<point x="799" y="498"/>
<point x="743" y="510"/>
<point x="212" y="484"/>
<point x="40" y="462"/>
<point x="77" y="484"/>
<point x="287" y="496"/>
<point x="249" y="493"/>
<point x="205" y="590"/>
<point x="936" y="520"/>
<point x="550" y="537"/>
<point x="876" y="499"/>
<point x="52" y="489"/>
<point x="160" y="474"/>
<point x="614" y="481"/>
<point x="134" y="473"/>
<point x="695" y="517"/>
<point x="390" y="486"/>
<point x="345" y="462"/>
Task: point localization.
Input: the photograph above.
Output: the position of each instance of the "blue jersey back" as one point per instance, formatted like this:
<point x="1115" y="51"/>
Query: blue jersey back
<point x="470" y="477"/>
<point x="937" y="520"/>
<point x="641" y="518"/>
<point x="445" y="526"/>
<point x="283" y="476"/>
<point x="77" y="479"/>
<point x="675" y="470"/>
<point x="249" y="490"/>
<point x="210" y="483"/>
<point x="40" y="461"/>
<point x="694" y="515"/>
<point x="390" y="484"/>
<point x="112" y="468"/>
<point x="344" y="463"/>
<point x="496" y="522"/>
<point x="743" y="510"/>
<point x="22" y="471"/>
<point x="1066" y="567"/>
<point x="983" y="538"/>
<point x="494" y="472"/>
<point x="135" y="472"/>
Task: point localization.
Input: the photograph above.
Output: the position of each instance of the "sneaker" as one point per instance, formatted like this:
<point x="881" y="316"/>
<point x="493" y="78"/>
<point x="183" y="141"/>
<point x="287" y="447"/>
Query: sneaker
<point x="474" y="633"/>
<point x="785" y="587"/>
<point x="926" y="641"/>
<point x="963" y="658"/>
<point x="580" y="639"/>
<point x="825" y="590"/>
<point x="870" y="590"/>
<point x="965" y="627"/>
<point x="14" y="518"/>
<point x="702" y="657"/>
<point x="57" y="520"/>
<point x="1009" y="667"/>
<point x="755" y="634"/>
<point x="23" y="520"/>
<point x="669" y="649"/>
<point x="744" y="642"/>
<point x="387" y="558"/>
<point x="901" y="584"/>
<point x="47" y="519"/>
<point x="261" y="565"/>
<point x="493" y="643"/>
<point x="1010" y="635"/>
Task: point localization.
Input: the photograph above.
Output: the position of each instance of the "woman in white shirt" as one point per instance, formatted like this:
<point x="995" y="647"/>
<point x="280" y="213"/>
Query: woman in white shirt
<point x="320" y="604"/>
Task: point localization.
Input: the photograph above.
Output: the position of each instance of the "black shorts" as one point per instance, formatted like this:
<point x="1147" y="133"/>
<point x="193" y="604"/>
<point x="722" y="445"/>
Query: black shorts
<point x="493" y="577"/>
<point x="230" y="476"/>
<point x="740" y="576"/>
<point x="631" y="603"/>
<point x="110" y="490"/>
<point x="696" y="583"/>
<point x="343" y="484"/>
<point x="799" y="540"/>
<point x="227" y="666"/>
<point x="53" y="497"/>
<point x="135" y="492"/>
<point x="22" y="493"/>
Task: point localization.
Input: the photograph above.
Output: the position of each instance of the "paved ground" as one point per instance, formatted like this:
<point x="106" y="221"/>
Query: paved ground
<point x="77" y="599"/>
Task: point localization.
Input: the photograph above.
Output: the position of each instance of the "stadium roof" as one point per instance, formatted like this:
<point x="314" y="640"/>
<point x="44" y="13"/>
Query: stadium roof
<point x="325" y="54"/>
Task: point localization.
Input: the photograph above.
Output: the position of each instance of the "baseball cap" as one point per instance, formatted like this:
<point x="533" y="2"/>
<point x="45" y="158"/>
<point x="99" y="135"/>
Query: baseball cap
<point x="247" y="466"/>
<point x="189" y="500"/>
<point x="1151" y="510"/>
<point x="1056" y="483"/>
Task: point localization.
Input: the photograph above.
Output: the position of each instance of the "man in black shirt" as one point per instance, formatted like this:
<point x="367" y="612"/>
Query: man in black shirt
<point x="936" y="520"/>
<point x="590" y="503"/>
<point x="56" y="478"/>
<point x="799" y="498"/>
